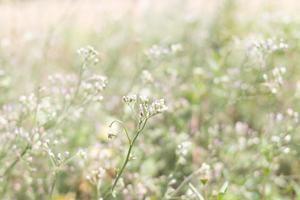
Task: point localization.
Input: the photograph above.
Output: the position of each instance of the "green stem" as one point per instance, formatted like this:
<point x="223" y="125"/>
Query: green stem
<point x="123" y="167"/>
<point x="53" y="185"/>
<point x="13" y="164"/>
<point x="185" y="181"/>
<point x="124" y="128"/>
<point x="141" y="127"/>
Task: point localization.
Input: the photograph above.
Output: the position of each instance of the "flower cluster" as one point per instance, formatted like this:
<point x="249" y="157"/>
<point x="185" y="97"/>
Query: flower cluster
<point x="89" y="54"/>
<point x="93" y="87"/>
<point x="32" y="125"/>
<point x="96" y="175"/>
<point x="275" y="80"/>
<point x="270" y="45"/>
<point x="159" y="51"/>
<point x="145" y="108"/>
<point x="63" y="84"/>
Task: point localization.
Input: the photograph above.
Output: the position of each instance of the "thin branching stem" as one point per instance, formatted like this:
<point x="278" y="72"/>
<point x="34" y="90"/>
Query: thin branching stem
<point x="185" y="181"/>
<point x="123" y="127"/>
<point x="53" y="185"/>
<point x="141" y="126"/>
<point x="15" y="162"/>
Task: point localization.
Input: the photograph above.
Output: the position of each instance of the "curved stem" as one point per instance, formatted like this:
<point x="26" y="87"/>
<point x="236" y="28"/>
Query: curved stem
<point x="53" y="185"/>
<point x="122" y="125"/>
<point x="185" y="181"/>
<point x="141" y="127"/>
<point x="13" y="164"/>
<point x="123" y="167"/>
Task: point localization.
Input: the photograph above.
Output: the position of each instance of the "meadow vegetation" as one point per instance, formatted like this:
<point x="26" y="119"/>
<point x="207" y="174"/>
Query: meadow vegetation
<point x="155" y="101"/>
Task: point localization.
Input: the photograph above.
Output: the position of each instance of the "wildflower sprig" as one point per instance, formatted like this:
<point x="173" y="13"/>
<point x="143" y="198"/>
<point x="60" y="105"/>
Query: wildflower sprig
<point x="36" y="119"/>
<point x="88" y="54"/>
<point x="144" y="109"/>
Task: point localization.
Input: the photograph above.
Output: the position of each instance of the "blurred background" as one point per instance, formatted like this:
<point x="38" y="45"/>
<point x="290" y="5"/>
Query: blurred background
<point x="228" y="70"/>
<point x="50" y="30"/>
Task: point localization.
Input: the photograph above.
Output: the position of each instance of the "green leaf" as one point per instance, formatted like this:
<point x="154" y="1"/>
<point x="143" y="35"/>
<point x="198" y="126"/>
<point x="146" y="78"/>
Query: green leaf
<point x="223" y="190"/>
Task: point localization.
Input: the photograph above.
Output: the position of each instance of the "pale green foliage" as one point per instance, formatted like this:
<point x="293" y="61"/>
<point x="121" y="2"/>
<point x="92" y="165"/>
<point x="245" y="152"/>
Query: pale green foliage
<point x="210" y="108"/>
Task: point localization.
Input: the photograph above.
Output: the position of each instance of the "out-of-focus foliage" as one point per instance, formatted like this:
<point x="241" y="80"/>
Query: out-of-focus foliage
<point x="151" y="103"/>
